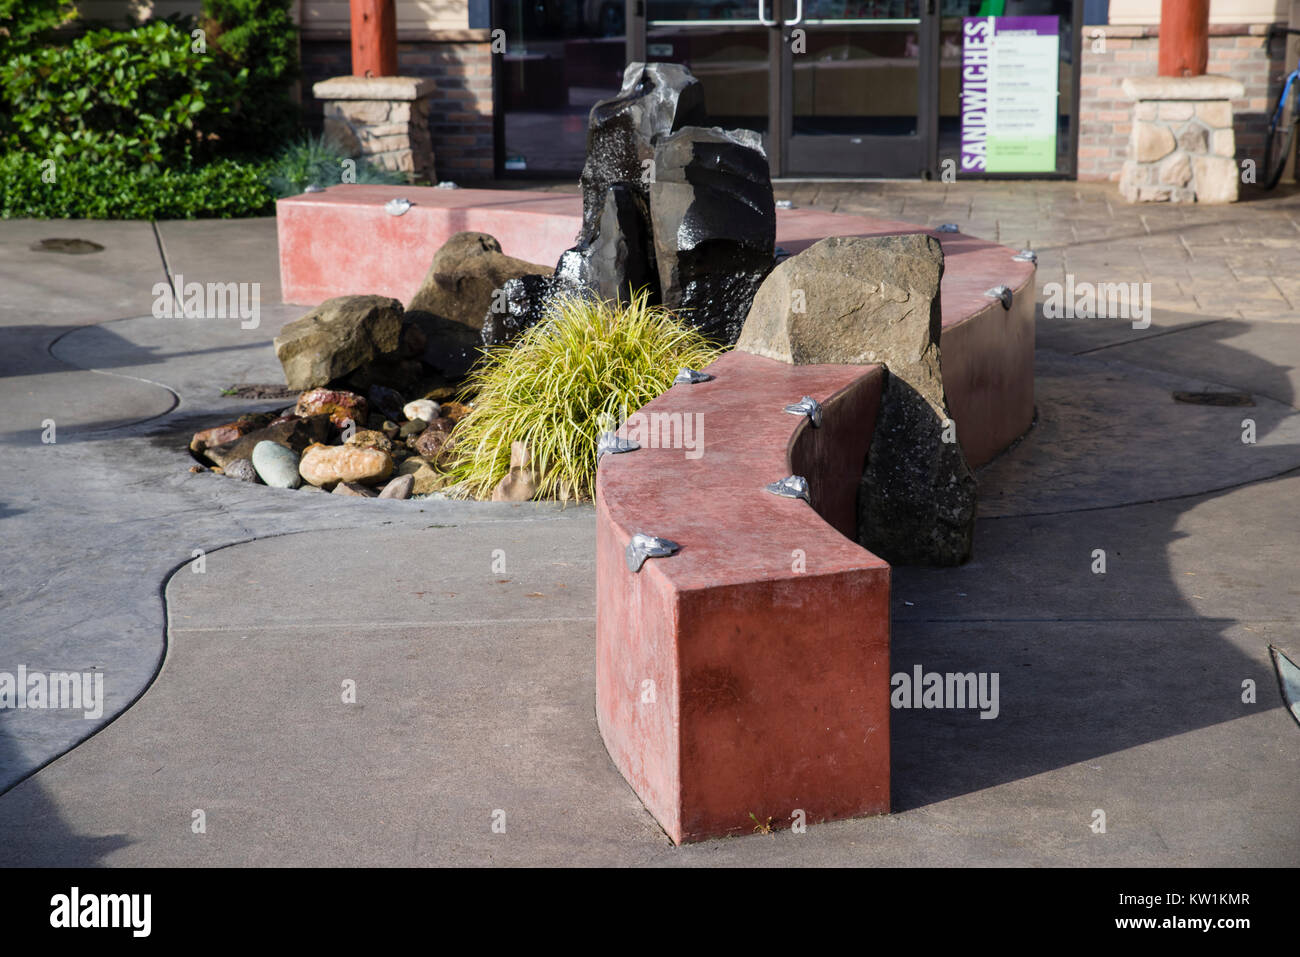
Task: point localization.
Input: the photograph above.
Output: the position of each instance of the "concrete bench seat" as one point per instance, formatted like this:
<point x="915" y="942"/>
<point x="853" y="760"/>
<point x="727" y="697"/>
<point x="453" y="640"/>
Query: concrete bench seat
<point x="749" y="672"/>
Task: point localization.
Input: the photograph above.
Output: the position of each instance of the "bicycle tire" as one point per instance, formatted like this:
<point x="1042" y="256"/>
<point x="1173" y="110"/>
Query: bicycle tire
<point x="1281" y="134"/>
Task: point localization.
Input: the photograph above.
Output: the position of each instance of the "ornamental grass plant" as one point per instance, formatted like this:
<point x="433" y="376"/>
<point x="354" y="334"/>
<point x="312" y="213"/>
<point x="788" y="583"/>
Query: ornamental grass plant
<point x="559" y="385"/>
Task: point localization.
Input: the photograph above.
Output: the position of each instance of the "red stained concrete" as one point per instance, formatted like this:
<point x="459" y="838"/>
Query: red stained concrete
<point x="771" y="684"/>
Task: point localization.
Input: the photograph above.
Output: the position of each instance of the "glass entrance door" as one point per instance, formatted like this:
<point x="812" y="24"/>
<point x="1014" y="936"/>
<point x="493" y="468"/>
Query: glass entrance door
<point x="859" y="94"/>
<point x="836" y="87"/>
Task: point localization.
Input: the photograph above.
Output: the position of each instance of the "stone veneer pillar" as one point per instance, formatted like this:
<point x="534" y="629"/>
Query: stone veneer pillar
<point x="382" y="119"/>
<point x="1182" y="148"/>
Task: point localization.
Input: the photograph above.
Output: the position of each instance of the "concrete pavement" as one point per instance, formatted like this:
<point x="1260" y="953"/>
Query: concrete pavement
<point x="1119" y="692"/>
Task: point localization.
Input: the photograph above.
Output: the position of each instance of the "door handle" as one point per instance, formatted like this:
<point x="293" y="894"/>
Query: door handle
<point x="798" y="14"/>
<point x="762" y="19"/>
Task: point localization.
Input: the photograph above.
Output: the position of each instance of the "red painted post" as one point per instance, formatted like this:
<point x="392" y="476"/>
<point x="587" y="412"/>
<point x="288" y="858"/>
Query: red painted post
<point x="1184" y="37"/>
<point x="374" y="38"/>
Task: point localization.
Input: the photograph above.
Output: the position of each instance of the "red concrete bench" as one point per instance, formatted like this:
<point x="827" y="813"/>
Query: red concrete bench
<point x="749" y="672"/>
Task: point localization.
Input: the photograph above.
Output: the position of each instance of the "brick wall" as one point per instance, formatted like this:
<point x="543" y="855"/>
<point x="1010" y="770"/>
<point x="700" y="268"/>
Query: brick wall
<point x="460" y="112"/>
<point x="1105" y="118"/>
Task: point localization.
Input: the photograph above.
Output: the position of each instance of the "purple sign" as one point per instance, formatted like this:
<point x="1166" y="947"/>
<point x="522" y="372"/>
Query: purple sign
<point x="1009" y="94"/>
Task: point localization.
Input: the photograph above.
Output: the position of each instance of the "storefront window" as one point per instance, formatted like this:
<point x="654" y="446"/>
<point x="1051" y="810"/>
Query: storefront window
<point x="561" y="57"/>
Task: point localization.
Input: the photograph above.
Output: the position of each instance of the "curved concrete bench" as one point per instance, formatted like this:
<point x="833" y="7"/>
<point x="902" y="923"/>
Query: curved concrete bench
<point x="749" y="672"/>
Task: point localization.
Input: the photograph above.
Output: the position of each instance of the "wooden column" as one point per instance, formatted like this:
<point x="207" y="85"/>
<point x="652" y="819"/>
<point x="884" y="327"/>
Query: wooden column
<point x="374" y="38"/>
<point x="1184" y="37"/>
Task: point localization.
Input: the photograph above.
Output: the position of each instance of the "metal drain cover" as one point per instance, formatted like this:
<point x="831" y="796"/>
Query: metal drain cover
<point x="1214" y="398"/>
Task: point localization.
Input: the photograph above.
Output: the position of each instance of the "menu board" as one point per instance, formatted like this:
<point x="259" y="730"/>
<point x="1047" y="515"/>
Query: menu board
<point x="1009" y="93"/>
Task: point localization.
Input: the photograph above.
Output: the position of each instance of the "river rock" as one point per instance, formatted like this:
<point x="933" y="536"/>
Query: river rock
<point x="399" y="487"/>
<point x="432" y="442"/>
<point x="424" y="477"/>
<point x="370" y="439"/>
<point x="425" y="409"/>
<point x="714" y="226"/>
<point x="387" y="402"/>
<point x="276" y="464"/>
<point x="355" y="489"/>
<point x="241" y="469"/>
<point x="223" y="434"/>
<point x="294" y="433"/>
<point x="327" y="465"/>
<point x="338" y="336"/>
<point x="341" y="407"/>
<point x="454" y="411"/>
<point x="875" y="299"/>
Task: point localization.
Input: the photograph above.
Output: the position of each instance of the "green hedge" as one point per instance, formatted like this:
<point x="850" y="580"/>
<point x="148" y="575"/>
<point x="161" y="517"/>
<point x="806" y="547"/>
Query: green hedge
<point x="221" y="189"/>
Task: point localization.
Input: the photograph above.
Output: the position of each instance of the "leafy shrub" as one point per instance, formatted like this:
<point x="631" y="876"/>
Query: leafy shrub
<point x="138" y="95"/>
<point x="258" y="40"/>
<point x="315" y="160"/>
<point x="115" y="189"/>
<point x="26" y="25"/>
<point x="561" y="384"/>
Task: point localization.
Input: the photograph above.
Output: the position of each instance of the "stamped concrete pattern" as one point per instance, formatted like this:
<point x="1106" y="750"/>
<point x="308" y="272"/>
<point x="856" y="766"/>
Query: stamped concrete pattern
<point x="467" y="632"/>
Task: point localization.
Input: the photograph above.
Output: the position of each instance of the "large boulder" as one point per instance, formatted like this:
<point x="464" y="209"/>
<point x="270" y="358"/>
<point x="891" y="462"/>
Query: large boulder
<point x="617" y="260"/>
<point x="463" y="280"/>
<point x="876" y="300"/>
<point x="714" y="223"/>
<point x="655" y="100"/>
<point x="526" y="301"/>
<point x="339" y="335"/>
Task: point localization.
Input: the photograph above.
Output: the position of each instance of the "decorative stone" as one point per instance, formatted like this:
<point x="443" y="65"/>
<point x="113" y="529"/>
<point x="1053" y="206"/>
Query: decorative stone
<point x="1175" y="110"/>
<point x="454" y="411"/>
<point x="617" y="259"/>
<point x="388" y="402"/>
<point x="399" y="487"/>
<point x="464" y="278"/>
<point x="434" y="439"/>
<point x="1223" y="143"/>
<point x="1193" y="139"/>
<point x="876" y="300"/>
<point x="223" y="434"/>
<point x="421" y="409"/>
<point x="241" y="469"/>
<point x="276" y="465"/>
<point x="295" y="434"/>
<point x="1151" y="142"/>
<point x="425" y="478"/>
<point x="355" y="489"/>
<point x="341" y="407"/>
<point x="412" y="427"/>
<point x="339" y="335"/>
<point x="1215" y="113"/>
<point x="1176" y="170"/>
<point x="655" y="100"/>
<point x="370" y="439"/>
<point x="527" y="301"/>
<point x="714" y="225"/>
<point x="327" y="465"/>
<point x="1215" y="178"/>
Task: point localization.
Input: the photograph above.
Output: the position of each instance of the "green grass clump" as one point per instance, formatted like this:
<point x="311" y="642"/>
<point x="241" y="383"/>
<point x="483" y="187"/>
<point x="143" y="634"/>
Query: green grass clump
<point x="314" y="160"/>
<point x="562" y="383"/>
